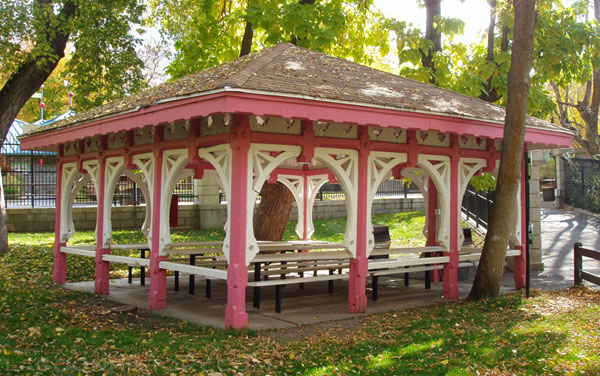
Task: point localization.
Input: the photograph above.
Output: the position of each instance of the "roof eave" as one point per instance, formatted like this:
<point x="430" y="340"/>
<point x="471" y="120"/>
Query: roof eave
<point x="285" y="105"/>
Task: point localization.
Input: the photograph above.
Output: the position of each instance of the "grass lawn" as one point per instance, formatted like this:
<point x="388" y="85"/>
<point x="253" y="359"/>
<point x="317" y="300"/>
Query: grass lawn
<point x="47" y="330"/>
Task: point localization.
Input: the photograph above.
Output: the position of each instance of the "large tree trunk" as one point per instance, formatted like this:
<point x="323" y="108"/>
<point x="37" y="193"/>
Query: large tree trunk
<point x="3" y="227"/>
<point x="491" y="265"/>
<point x="273" y="212"/>
<point x="28" y="78"/>
<point x="434" y="10"/>
<point x="246" y="47"/>
<point x="489" y="92"/>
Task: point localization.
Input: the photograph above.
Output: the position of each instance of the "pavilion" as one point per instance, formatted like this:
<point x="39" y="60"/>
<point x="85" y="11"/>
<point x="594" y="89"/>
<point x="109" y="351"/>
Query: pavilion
<point x="292" y="115"/>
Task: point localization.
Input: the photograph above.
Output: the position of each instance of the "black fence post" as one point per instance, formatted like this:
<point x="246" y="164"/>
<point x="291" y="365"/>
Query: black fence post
<point x="578" y="263"/>
<point x="32" y="175"/>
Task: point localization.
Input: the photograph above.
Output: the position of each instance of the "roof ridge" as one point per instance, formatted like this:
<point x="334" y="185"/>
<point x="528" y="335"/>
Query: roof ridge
<point x="258" y="63"/>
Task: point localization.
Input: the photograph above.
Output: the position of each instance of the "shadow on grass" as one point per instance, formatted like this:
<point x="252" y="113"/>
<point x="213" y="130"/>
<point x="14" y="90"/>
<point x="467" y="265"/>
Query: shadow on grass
<point x="491" y="336"/>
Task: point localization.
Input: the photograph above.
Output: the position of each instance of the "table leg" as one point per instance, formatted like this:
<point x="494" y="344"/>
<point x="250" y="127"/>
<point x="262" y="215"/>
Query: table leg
<point x="375" y="286"/>
<point x="143" y="269"/>
<point x="278" y="298"/>
<point x="130" y="275"/>
<point x="192" y="285"/>
<point x="257" y="289"/>
<point x="176" y="280"/>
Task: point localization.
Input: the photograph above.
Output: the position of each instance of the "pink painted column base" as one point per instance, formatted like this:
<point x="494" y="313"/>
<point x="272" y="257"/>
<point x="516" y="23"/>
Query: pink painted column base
<point x="157" y="297"/>
<point x="101" y="282"/>
<point x="357" y="298"/>
<point x="235" y="314"/>
<point x="451" y="277"/>
<point x="520" y="268"/>
<point x="59" y="270"/>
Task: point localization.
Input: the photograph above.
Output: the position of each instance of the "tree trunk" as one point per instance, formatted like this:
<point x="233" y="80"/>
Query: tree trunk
<point x="3" y="228"/>
<point x="489" y="93"/>
<point x="273" y="212"/>
<point x="491" y="265"/>
<point x="28" y="78"/>
<point x="246" y="47"/>
<point x="434" y="10"/>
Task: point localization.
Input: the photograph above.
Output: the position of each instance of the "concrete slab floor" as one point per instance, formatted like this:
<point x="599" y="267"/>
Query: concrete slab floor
<point x="310" y="305"/>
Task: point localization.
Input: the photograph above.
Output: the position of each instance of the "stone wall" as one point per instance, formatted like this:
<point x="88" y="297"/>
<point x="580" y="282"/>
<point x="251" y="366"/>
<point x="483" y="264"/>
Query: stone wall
<point x="190" y="216"/>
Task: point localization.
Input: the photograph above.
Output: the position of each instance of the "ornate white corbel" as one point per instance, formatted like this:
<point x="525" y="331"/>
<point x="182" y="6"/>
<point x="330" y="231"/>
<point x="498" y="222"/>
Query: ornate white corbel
<point x="344" y="165"/>
<point x="438" y="169"/>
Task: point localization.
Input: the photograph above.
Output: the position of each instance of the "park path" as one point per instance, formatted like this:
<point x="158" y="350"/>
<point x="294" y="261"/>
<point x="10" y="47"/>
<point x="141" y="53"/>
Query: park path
<point x="560" y="230"/>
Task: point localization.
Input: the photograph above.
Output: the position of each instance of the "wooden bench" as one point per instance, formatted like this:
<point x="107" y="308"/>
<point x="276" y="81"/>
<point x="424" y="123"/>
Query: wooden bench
<point x="290" y="267"/>
<point x="204" y="254"/>
<point x="404" y="264"/>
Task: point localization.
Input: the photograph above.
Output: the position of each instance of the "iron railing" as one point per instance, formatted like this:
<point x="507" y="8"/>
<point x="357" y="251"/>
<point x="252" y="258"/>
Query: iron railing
<point x="29" y="181"/>
<point x="477" y="206"/>
<point x="582" y="183"/>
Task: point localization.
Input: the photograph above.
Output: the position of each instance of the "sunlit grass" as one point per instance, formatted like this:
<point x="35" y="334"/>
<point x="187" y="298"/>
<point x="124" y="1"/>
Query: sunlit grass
<point x="45" y="330"/>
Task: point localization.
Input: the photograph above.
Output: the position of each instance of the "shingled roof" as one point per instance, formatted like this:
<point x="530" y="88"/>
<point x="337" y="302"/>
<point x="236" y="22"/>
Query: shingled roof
<point x="286" y="69"/>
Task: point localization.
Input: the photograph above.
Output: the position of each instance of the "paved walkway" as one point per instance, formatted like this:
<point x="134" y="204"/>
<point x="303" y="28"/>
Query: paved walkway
<point x="560" y="230"/>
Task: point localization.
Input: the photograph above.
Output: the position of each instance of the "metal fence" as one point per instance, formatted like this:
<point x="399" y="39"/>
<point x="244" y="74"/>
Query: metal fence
<point x="390" y="188"/>
<point x="29" y="181"/>
<point x="477" y="206"/>
<point x="582" y="183"/>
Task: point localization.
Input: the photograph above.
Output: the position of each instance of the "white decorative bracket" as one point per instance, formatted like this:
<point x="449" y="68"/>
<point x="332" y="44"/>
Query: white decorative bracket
<point x="114" y="167"/>
<point x="421" y="180"/>
<point x="219" y="157"/>
<point x="70" y="185"/>
<point x="93" y="169"/>
<point x="137" y="178"/>
<point x="173" y="164"/>
<point x="380" y="165"/>
<point x="438" y="168"/>
<point x="264" y="158"/>
<point x="296" y="185"/>
<point x="344" y="165"/>
<point x="467" y="167"/>
<point x="146" y="164"/>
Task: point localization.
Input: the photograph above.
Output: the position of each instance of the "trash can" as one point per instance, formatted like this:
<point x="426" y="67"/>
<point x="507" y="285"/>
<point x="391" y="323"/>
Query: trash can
<point x="548" y="186"/>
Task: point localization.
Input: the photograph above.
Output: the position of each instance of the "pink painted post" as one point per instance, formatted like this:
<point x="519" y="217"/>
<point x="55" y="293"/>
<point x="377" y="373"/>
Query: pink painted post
<point x="237" y="271"/>
<point x="157" y="297"/>
<point x="521" y="260"/>
<point x="432" y="194"/>
<point x="59" y="270"/>
<point x="305" y="205"/>
<point x="357" y="286"/>
<point x="101" y="283"/>
<point x="451" y="268"/>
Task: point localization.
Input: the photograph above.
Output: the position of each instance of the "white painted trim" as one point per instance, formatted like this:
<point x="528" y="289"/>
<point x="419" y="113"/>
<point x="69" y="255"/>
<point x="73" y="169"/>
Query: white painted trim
<point x="219" y="157"/>
<point x="131" y="261"/>
<point x="380" y="164"/>
<point x="467" y="167"/>
<point x="138" y="179"/>
<point x="80" y="251"/>
<point x="114" y="167"/>
<point x="173" y="164"/>
<point x="440" y="173"/>
<point x="194" y="270"/>
<point x="344" y="165"/>
<point x="145" y="162"/>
